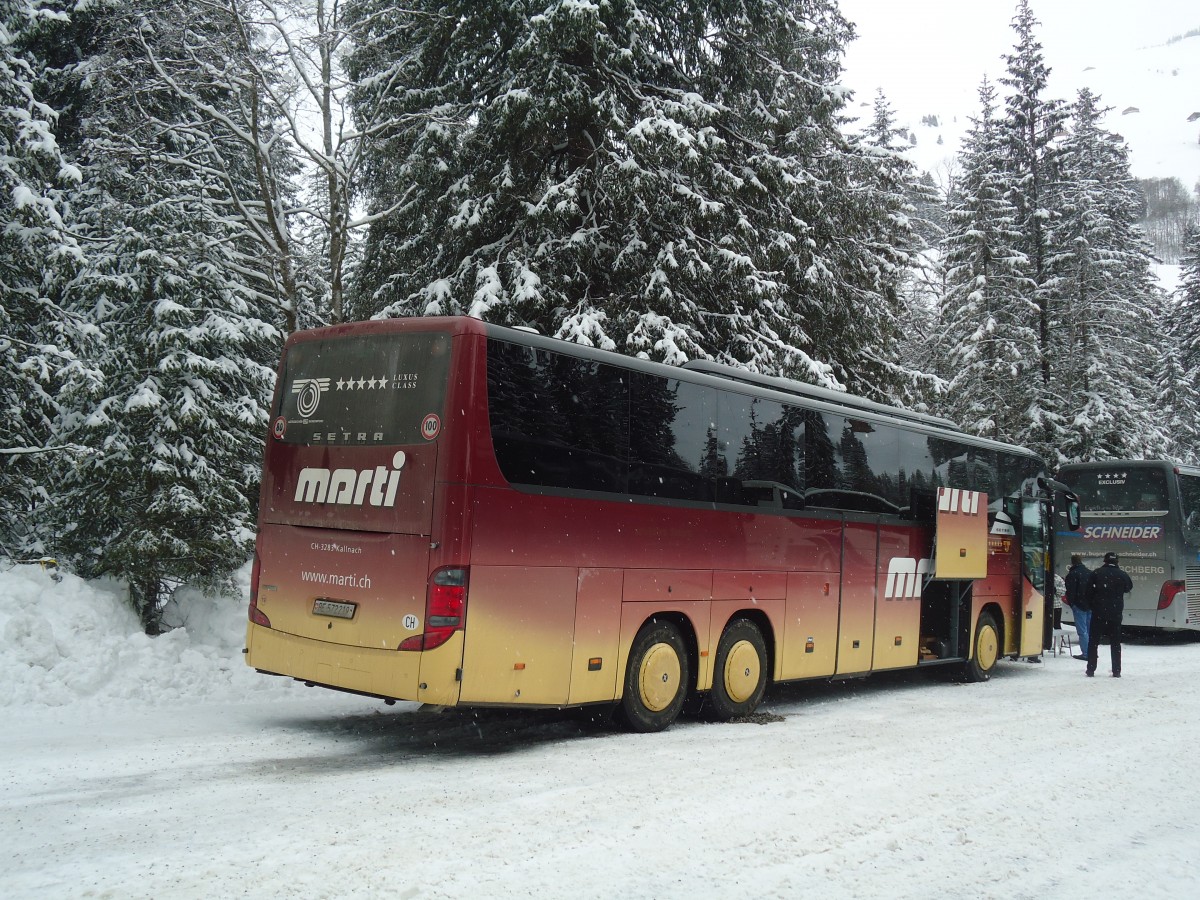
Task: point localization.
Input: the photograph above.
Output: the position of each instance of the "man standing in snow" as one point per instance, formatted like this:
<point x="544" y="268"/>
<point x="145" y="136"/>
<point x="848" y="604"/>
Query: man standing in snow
<point x="1106" y="592"/>
<point x="1077" y="590"/>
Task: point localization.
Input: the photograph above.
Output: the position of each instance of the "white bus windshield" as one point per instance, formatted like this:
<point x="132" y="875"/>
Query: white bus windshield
<point x="1120" y="489"/>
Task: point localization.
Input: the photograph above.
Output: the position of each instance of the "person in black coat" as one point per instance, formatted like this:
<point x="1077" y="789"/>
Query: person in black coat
<point x="1077" y="598"/>
<point x="1106" y="592"/>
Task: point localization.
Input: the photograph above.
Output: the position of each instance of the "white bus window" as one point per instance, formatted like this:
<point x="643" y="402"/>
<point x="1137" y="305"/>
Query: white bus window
<point x="1189" y="500"/>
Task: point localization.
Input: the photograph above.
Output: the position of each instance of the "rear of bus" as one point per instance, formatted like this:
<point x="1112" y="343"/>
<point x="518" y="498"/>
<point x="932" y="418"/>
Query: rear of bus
<point x="354" y="586"/>
<point x="1132" y="508"/>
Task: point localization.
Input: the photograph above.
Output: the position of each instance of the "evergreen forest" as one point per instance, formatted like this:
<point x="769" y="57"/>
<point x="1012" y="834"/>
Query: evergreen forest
<point x="186" y="182"/>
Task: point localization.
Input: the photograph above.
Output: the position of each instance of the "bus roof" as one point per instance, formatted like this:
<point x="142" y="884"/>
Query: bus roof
<point x="791" y="386"/>
<point x="698" y="372"/>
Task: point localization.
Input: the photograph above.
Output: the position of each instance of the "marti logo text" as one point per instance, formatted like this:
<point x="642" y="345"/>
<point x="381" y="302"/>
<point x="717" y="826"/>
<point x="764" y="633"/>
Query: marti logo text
<point x="351" y="487"/>
<point x="905" y="576"/>
<point x="954" y="500"/>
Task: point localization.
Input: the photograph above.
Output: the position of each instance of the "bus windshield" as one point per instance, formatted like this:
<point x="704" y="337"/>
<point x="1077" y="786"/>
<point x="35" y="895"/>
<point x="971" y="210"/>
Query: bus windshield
<point x="1120" y="489"/>
<point x="372" y="390"/>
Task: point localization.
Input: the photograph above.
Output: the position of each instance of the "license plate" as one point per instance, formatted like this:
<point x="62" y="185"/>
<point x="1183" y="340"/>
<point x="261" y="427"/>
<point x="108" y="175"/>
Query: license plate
<point x="335" y="608"/>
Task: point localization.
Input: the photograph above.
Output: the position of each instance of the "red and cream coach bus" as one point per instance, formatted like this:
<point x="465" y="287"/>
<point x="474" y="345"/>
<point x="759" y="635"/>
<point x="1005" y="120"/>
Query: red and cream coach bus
<point x="457" y="513"/>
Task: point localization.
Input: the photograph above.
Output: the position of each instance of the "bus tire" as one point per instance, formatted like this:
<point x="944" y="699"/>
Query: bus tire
<point x="656" y="678"/>
<point x="985" y="649"/>
<point x="740" y="672"/>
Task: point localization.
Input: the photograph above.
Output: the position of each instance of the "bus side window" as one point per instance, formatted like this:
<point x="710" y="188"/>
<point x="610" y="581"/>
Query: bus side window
<point x="764" y="443"/>
<point x="1189" y="501"/>
<point x="557" y="421"/>
<point x="822" y="458"/>
<point x="673" y="451"/>
<point x="918" y="476"/>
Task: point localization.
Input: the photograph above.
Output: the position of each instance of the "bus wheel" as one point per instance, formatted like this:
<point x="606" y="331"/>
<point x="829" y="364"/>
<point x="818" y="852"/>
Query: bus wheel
<point x="657" y="678"/>
<point x="740" y="675"/>
<point x="985" y="650"/>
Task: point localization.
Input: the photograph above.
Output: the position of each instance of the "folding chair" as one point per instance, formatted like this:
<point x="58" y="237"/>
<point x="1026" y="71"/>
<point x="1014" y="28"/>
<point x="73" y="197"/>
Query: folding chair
<point x="1061" y="642"/>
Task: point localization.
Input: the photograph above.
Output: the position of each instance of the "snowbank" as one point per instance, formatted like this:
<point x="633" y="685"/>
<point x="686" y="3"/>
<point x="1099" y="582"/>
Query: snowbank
<point x="73" y="641"/>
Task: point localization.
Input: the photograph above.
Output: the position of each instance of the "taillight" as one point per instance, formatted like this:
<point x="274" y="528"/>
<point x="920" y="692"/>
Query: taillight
<point x="1166" y="596"/>
<point x="445" y="610"/>
<point x="257" y="616"/>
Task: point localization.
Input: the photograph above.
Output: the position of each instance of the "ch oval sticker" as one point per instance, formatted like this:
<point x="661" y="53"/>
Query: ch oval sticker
<point x="411" y="622"/>
<point x="431" y="427"/>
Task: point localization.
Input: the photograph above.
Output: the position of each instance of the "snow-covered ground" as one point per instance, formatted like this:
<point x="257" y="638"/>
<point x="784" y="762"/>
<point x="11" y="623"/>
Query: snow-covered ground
<point x="164" y="768"/>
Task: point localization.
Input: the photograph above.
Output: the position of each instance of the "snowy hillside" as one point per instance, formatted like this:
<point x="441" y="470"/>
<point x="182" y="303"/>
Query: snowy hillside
<point x="1155" y="106"/>
<point x="1152" y="94"/>
<point x="1149" y="83"/>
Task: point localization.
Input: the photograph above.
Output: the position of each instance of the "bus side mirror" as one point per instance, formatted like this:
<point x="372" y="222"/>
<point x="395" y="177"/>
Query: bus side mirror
<point x="1072" y="512"/>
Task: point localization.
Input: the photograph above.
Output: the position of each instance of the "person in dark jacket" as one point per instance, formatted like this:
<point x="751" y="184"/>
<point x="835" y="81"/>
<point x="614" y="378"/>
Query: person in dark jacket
<point x="1106" y="591"/>
<point x="1077" y="598"/>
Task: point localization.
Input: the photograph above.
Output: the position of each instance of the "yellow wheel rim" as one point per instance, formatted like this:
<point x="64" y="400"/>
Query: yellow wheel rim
<point x="658" y="677"/>
<point x="741" y="671"/>
<point x="987" y="648"/>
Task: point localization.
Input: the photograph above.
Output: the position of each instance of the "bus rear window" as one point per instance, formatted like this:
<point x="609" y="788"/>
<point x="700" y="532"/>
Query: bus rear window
<point x="364" y="391"/>
<point x="1120" y="489"/>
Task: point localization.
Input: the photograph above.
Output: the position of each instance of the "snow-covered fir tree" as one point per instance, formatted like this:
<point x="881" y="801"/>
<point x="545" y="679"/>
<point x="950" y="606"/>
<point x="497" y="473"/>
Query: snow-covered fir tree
<point x="903" y="198"/>
<point x="1177" y="404"/>
<point x="1030" y="129"/>
<point x="1106" y="303"/>
<point x="41" y="344"/>
<point x="989" y="322"/>
<point x="1185" y="314"/>
<point x="926" y="350"/>
<point x="1187" y="297"/>
<point x="169" y="493"/>
<point x="660" y="178"/>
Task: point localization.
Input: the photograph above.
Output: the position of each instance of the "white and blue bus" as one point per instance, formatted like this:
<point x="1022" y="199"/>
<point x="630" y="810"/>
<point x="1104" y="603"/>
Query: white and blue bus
<point x="1148" y="512"/>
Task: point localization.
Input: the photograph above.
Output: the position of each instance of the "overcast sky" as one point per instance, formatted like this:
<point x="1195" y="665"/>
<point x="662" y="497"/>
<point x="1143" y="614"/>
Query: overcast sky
<point x="933" y="53"/>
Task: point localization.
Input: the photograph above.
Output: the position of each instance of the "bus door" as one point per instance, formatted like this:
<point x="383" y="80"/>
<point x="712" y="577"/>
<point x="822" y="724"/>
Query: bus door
<point x="856" y="624"/>
<point x="1032" y="606"/>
